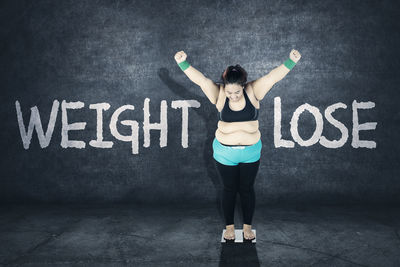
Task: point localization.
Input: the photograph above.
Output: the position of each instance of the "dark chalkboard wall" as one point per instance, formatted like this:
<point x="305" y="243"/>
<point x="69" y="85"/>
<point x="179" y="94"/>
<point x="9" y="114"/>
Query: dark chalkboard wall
<point x="122" y="52"/>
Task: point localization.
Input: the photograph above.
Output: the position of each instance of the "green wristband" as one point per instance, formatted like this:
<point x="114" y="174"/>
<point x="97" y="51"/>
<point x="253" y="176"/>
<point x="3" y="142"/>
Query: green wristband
<point x="289" y="63"/>
<point x="184" y="65"/>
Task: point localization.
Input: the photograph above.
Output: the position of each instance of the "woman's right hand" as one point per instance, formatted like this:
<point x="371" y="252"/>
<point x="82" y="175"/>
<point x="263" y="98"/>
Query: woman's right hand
<point x="180" y="57"/>
<point x="295" y="55"/>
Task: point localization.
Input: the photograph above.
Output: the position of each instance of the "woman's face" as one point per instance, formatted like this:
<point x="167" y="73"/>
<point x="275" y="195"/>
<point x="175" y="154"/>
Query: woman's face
<point x="234" y="91"/>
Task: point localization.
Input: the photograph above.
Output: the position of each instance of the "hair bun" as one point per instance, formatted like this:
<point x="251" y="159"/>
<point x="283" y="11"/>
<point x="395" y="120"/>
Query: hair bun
<point x="234" y="74"/>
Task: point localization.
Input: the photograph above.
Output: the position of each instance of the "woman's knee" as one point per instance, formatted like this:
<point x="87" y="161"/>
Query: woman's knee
<point x="246" y="190"/>
<point x="230" y="188"/>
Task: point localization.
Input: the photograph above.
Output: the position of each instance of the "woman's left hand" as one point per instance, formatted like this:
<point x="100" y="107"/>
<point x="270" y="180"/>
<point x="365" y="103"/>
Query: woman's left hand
<point x="295" y="55"/>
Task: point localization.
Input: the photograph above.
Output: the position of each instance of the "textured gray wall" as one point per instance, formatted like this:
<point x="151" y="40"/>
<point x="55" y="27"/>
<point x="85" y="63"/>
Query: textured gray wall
<point x="121" y="52"/>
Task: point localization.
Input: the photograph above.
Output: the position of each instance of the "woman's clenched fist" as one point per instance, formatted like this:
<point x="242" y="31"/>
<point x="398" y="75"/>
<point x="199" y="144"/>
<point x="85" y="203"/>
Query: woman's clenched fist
<point x="180" y="57"/>
<point x="295" y="55"/>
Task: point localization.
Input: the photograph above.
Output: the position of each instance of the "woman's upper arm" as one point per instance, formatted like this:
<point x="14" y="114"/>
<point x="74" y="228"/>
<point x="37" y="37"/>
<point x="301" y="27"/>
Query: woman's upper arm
<point x="210" y="89"/>
<point x="262" y="85"/>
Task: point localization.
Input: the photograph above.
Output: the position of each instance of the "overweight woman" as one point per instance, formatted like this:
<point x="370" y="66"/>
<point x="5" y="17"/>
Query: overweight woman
<point x="237" y="143"/>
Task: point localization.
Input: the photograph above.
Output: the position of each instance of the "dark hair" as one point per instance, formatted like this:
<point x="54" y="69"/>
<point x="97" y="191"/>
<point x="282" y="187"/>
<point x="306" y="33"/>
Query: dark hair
<point x="234" y="74"/>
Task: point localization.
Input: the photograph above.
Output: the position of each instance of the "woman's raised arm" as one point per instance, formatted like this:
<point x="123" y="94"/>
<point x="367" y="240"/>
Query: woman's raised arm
<point x="262" y="85"/>
<point x="210" y="89"/>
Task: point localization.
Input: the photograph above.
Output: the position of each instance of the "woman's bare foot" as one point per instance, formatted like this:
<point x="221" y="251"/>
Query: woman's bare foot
<point x="248" y="234"/>
<point x="230" y="232"/>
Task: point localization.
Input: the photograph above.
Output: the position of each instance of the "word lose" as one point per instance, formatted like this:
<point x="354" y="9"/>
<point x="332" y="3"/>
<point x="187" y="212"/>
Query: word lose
<point x="317" y="135"/>
<point x="133" y="138"/>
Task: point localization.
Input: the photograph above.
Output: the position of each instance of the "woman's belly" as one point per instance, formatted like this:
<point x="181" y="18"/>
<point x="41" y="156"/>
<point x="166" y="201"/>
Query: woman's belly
<point x="238" y="133"/>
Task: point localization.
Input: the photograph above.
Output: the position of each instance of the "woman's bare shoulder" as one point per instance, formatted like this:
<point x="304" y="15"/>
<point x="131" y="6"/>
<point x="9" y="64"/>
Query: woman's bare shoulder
<point x="250" y="93"/>
<point x="221" y="98"/>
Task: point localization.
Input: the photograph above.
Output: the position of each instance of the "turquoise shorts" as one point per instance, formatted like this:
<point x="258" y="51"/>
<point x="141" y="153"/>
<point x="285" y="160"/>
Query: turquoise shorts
<point x="233" y="155"/>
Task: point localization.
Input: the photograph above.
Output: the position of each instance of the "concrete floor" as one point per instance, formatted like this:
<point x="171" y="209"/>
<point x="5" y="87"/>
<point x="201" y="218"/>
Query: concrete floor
<point x="127" y="235"/>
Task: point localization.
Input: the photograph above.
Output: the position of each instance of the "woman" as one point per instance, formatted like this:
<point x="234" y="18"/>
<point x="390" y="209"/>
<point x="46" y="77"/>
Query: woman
<point x="237" y="143"/>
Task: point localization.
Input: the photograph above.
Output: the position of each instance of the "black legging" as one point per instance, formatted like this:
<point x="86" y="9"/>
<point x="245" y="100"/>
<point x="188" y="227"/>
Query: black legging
<point x="239" y="178"/>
